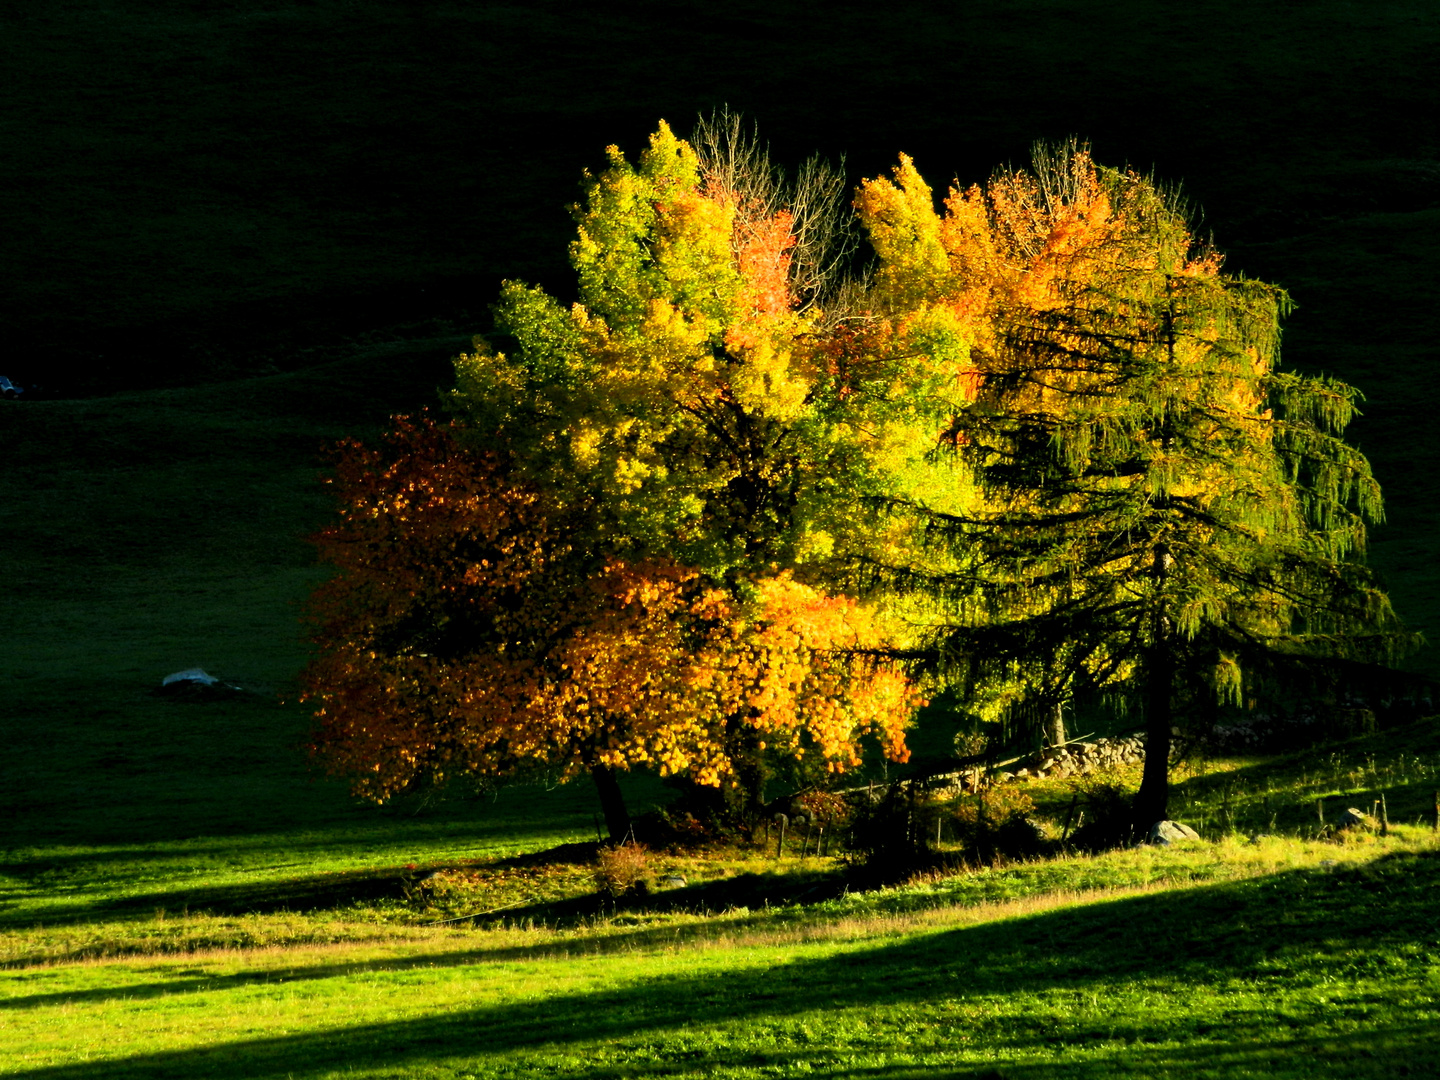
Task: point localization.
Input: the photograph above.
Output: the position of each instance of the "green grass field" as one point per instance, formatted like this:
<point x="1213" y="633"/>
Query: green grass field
<point x="1288" y="965"/>
<point x="240" y="233"/>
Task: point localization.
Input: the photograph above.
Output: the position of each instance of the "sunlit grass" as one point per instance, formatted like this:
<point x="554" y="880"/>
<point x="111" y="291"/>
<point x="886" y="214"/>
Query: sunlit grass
<point x="1283" y="955"/>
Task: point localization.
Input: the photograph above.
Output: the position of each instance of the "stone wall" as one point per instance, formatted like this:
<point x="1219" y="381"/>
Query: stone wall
<point x="1072" y="759"/>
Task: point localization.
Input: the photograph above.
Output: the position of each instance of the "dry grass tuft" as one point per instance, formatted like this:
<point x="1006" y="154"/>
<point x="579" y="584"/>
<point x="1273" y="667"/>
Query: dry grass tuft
<point x="622" y="869"/>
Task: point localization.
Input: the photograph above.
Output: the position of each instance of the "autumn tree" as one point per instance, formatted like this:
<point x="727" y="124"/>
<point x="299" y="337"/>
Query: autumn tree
<point x="468" y="634"/>
<point x="1049" y="435"/>
<point x="1161" y="512"/>
<point x="694" y="401"/>
<point x="680" y="394"/>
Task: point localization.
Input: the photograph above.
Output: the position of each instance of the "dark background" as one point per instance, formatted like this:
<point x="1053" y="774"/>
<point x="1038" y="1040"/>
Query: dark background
<point x="201" y="191"/>
<point x="197" y="190"/>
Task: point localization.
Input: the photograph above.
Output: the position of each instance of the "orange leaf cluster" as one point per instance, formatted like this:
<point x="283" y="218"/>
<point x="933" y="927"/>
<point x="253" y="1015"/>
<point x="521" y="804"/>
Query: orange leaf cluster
<point x="765" y="300"/>
<point x="466" y="634"/>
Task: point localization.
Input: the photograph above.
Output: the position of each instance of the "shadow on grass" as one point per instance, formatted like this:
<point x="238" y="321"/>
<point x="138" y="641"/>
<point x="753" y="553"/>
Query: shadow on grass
<point x="1289" y="931"/>
<point x="364" y="830"/>
<point x="101" y="880"/>
<point x="750" y="890"/>
<point x="311" y="893"/>
<point x="1239" y="1053"/>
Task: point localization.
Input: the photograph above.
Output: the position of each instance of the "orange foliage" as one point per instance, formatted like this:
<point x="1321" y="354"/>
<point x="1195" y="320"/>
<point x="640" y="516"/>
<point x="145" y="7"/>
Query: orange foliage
<point x="465" y="633"/>
<point x="765" y="299"/>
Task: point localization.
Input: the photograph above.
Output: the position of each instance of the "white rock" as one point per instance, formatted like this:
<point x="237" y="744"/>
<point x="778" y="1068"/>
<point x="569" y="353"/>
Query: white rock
<point x="1170" y="832"/>
<point x="194" y="674"/>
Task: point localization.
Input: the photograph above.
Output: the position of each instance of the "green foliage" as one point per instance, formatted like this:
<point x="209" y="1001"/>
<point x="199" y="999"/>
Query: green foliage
<point x="1164" y="512"/>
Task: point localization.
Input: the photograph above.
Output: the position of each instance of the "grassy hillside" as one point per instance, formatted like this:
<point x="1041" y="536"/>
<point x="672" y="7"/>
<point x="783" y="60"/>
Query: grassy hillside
<point x="1274" y="959"/>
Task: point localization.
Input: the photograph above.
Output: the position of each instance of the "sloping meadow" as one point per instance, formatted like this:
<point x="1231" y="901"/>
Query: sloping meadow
<point x="1327" y="968"/>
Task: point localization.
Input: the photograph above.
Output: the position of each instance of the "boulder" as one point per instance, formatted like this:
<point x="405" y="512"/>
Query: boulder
<point x="196" y="684"/>
<point x="190" y="675"/>
<point x="1355" y="819"/>
<point x="1170" y="832"/>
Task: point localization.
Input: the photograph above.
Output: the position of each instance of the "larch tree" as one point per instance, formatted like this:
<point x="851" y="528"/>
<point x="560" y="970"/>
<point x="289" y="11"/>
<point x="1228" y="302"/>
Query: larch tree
<point x="1162" y="512"/>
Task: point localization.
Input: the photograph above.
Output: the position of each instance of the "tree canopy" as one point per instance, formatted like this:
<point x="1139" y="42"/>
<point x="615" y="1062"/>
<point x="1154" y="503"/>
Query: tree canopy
<point x="678" y="444"/>
<point x="717" y="508"/>
<point x="702" y="395"/>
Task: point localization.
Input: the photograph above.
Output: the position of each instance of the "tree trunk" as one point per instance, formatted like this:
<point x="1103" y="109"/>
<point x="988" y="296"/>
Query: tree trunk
<point x="1055" y="726"/>
<point x="1152" y="802"/>
<point x="612" y="803"/>
<point x="747" y="759"/>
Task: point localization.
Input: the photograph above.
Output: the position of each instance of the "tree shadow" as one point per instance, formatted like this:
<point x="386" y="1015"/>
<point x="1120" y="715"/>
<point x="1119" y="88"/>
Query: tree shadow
<point x="1287" y="930"/>
<point x="313" y="892"/>
<point x="334" y="889"/>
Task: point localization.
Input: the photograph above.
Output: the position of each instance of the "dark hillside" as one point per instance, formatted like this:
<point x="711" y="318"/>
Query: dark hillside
<point x="199" y="191"/>
<point x="151" y="532"/>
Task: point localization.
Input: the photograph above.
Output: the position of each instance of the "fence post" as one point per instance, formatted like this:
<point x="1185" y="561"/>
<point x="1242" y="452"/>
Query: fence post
<point x="1069" y="816"/>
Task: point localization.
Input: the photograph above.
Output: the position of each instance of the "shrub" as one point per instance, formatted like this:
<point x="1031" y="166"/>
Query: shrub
<point x="1107" y="805"/>
<point x="623" y="868"/>
<point x="995" y="822"/>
